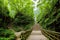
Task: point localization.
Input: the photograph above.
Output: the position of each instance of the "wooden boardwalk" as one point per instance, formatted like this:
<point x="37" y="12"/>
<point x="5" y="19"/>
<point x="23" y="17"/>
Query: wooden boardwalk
<point x="36" y="34"/>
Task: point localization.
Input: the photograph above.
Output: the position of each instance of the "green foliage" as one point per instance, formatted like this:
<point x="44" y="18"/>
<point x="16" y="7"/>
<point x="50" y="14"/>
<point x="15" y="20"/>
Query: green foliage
<point x="45" y="7"/>
<point x="23" y="6"/>
<point x="17" y="28"/>
<point x="19" y="5"/>
<point x="4" y="17"/>
<point x="23" y="21"/>
<point x="6" y="34"/>
<point x="49" y="19"/>
<point x="10" y="12"/>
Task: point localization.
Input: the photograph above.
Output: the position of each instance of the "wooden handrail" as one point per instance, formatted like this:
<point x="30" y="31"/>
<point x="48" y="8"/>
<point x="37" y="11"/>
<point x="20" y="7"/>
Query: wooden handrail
<point x="24" y="35"/>
<point x="51" y="34"/>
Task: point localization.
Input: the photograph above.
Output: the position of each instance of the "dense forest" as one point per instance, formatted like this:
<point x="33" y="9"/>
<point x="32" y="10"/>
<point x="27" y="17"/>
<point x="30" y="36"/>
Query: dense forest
<point x="15" y="16"/>
<point x="50" y="18"/>
<point x="18" y="15"/>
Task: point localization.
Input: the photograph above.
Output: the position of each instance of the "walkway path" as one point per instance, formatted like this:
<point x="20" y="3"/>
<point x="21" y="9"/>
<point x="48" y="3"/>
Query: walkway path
<point x="36" y="34"/>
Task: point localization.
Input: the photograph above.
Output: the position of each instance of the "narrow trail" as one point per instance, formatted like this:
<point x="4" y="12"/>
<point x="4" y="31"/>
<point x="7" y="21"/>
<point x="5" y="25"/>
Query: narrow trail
<point x="36" y="34"/>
